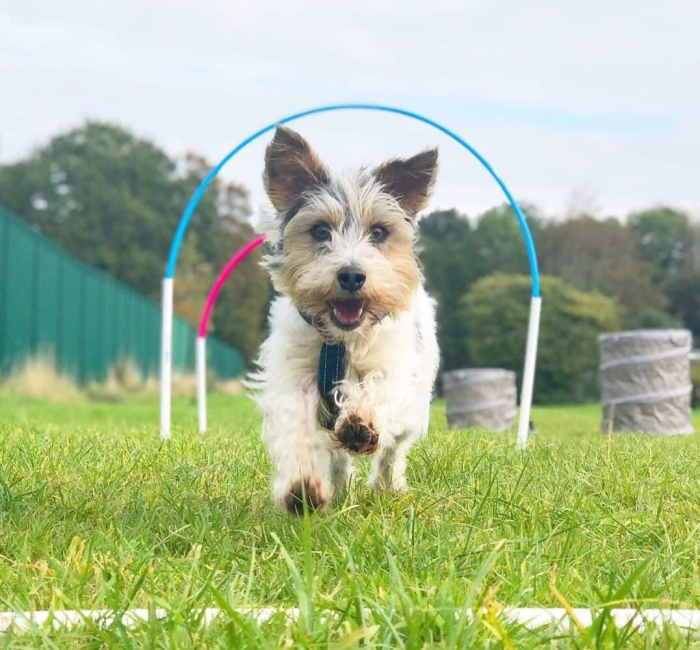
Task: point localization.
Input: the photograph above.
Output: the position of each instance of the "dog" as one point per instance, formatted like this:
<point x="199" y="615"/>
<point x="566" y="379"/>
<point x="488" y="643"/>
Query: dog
<point x="351" y="358"/>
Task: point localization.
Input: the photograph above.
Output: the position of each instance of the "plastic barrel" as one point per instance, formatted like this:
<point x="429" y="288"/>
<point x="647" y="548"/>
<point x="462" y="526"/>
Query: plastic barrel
<point x="644" y="378"/>
<point x="480" y="397"/>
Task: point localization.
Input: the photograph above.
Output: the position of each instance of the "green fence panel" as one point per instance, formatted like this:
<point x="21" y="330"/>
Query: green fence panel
<point x="109" y="323"/>
<point x="4" y="287"/>
<point x="183" y="346"/>
<point x="224" y="360"/>
<point x="70" y="342"/>
<point x="18" y="334"/>
<point x="120" y="320"/>
<point x="54" y="305"/>
<point x="143" y="338"/>
<point x="47" y="306"/>
<point x="94" y="363"/>
<point x="129" y="331"/>
<point x="153" y="324"/>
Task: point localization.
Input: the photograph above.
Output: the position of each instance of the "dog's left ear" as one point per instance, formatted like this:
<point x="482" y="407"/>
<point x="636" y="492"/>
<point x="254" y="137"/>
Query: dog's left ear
<point x="410" y="180"/>
<point x="291" y="168"/>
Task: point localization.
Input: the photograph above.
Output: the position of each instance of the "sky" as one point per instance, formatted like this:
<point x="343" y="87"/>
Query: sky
<point x="589" y="105"/>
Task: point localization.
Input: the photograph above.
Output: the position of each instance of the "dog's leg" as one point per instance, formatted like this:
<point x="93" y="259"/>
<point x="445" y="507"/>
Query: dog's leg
<point x="342" y="470"/>
<point x="300" y="452"/>
<point x="389" y="468"/>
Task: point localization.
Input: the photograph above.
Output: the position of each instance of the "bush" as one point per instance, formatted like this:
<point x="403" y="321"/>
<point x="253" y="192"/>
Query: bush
<point x="653" y="319"/>
<point x="495" y="313"/>
<point x="695" y="379"/>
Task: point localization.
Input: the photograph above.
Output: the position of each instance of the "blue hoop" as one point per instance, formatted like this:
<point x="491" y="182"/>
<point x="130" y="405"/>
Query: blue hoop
<point x="191" y="206"/>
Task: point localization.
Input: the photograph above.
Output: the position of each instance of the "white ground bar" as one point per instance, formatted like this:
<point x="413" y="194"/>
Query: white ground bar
<point x="531" y="617"/>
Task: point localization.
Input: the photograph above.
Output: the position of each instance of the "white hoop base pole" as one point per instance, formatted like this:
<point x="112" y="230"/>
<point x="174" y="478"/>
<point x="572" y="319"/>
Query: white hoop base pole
<point x="201" y="357"/>
<point x="533" y="332"/>
<point x="166" y="357"/>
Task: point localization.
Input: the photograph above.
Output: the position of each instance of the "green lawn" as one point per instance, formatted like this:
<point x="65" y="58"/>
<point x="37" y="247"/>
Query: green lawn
<point x="95" y="512"/>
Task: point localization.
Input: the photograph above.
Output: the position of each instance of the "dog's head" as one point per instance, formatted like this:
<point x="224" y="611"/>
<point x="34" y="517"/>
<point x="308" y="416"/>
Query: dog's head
<point x="345" y="251"/>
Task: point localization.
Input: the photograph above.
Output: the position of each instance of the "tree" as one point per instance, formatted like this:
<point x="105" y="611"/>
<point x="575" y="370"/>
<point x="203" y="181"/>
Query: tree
<point x="653" y="319"/>
<point x="664" y="239"/>
<point x="114" y="200"/>
<point x="104" y="196"/>
<point x="455" y="254"/>
<point x="194" y="278"/>
<point x="495" y="312"/>
<point x="499" y="242"/>
<point x="684" y="295"/>
<point x="446" y="251"/>
<point x="445" y="226"/>
<point x="602" y="256"/>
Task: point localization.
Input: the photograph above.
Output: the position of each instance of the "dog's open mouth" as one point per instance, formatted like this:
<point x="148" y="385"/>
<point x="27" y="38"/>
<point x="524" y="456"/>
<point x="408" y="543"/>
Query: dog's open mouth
<point x="348" y="314"/>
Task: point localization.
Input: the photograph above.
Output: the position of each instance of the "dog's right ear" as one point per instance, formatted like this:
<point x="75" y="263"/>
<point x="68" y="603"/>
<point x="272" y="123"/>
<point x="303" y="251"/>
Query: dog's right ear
<point x="291" y="168"/>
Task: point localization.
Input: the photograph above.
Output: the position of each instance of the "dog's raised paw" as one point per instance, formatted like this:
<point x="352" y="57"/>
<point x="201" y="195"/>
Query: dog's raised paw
<point x="311" y="487"/>
<point x="356" y="435"/>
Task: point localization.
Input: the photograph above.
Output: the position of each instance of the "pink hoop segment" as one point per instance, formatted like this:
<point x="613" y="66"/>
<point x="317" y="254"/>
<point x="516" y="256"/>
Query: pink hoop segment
<point x="216" y="288"/>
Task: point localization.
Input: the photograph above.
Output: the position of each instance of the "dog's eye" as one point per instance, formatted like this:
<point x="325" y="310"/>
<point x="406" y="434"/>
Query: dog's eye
<point x="378" y="234"/>
<point x="321" y="232"/>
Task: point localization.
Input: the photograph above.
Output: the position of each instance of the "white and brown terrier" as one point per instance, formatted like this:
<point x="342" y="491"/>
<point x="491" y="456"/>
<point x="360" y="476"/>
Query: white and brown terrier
<point x="349" y="365"/>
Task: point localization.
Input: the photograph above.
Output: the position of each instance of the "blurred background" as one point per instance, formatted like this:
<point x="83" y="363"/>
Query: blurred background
<point x="112" y="113"/>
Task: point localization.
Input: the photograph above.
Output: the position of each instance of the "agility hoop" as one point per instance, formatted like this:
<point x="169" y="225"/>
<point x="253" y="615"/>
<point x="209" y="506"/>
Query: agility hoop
<point x="167" y="304"/>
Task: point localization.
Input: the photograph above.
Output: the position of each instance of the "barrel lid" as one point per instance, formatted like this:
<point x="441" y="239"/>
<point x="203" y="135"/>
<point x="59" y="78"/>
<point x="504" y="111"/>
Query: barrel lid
<point x="676" y="336"/>
<point x="476" y="375"/>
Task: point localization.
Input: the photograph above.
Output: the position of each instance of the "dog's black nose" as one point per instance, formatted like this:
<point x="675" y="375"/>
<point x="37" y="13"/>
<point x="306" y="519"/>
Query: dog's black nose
<point x="351" y="278"/>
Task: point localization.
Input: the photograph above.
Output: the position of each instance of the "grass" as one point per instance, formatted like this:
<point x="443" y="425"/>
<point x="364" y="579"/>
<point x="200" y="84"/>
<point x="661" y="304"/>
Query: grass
<point x="95" y="512"/>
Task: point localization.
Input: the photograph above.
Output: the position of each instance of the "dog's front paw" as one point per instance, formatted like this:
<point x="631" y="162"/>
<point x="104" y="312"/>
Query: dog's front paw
<point x="356" y="434"/>
<point x="312" y="489"/>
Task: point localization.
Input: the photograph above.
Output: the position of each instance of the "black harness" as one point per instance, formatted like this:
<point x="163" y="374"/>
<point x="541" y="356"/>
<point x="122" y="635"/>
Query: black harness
<point x="331" y="371"/>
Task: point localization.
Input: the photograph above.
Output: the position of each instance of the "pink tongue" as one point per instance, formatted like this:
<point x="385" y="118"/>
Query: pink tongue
<point x="348" y="311"/>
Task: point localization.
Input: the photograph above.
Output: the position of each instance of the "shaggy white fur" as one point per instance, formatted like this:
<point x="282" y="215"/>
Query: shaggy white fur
<point x="390" y="376"/>
<point x="325" y="226"/>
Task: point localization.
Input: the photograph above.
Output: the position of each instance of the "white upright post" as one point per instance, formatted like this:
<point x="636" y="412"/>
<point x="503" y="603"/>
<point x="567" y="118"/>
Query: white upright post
<point x="201" y="356"/>
<point x="166" y="358"/>
<point x="533" y="332"/>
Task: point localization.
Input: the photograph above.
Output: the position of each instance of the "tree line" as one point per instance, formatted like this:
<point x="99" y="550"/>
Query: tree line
<point x="598" y="275"/>
<point x="113" y="200"/>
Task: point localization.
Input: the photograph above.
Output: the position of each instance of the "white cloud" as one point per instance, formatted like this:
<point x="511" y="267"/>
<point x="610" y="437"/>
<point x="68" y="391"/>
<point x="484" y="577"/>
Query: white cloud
<point x="558" y="95"/>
